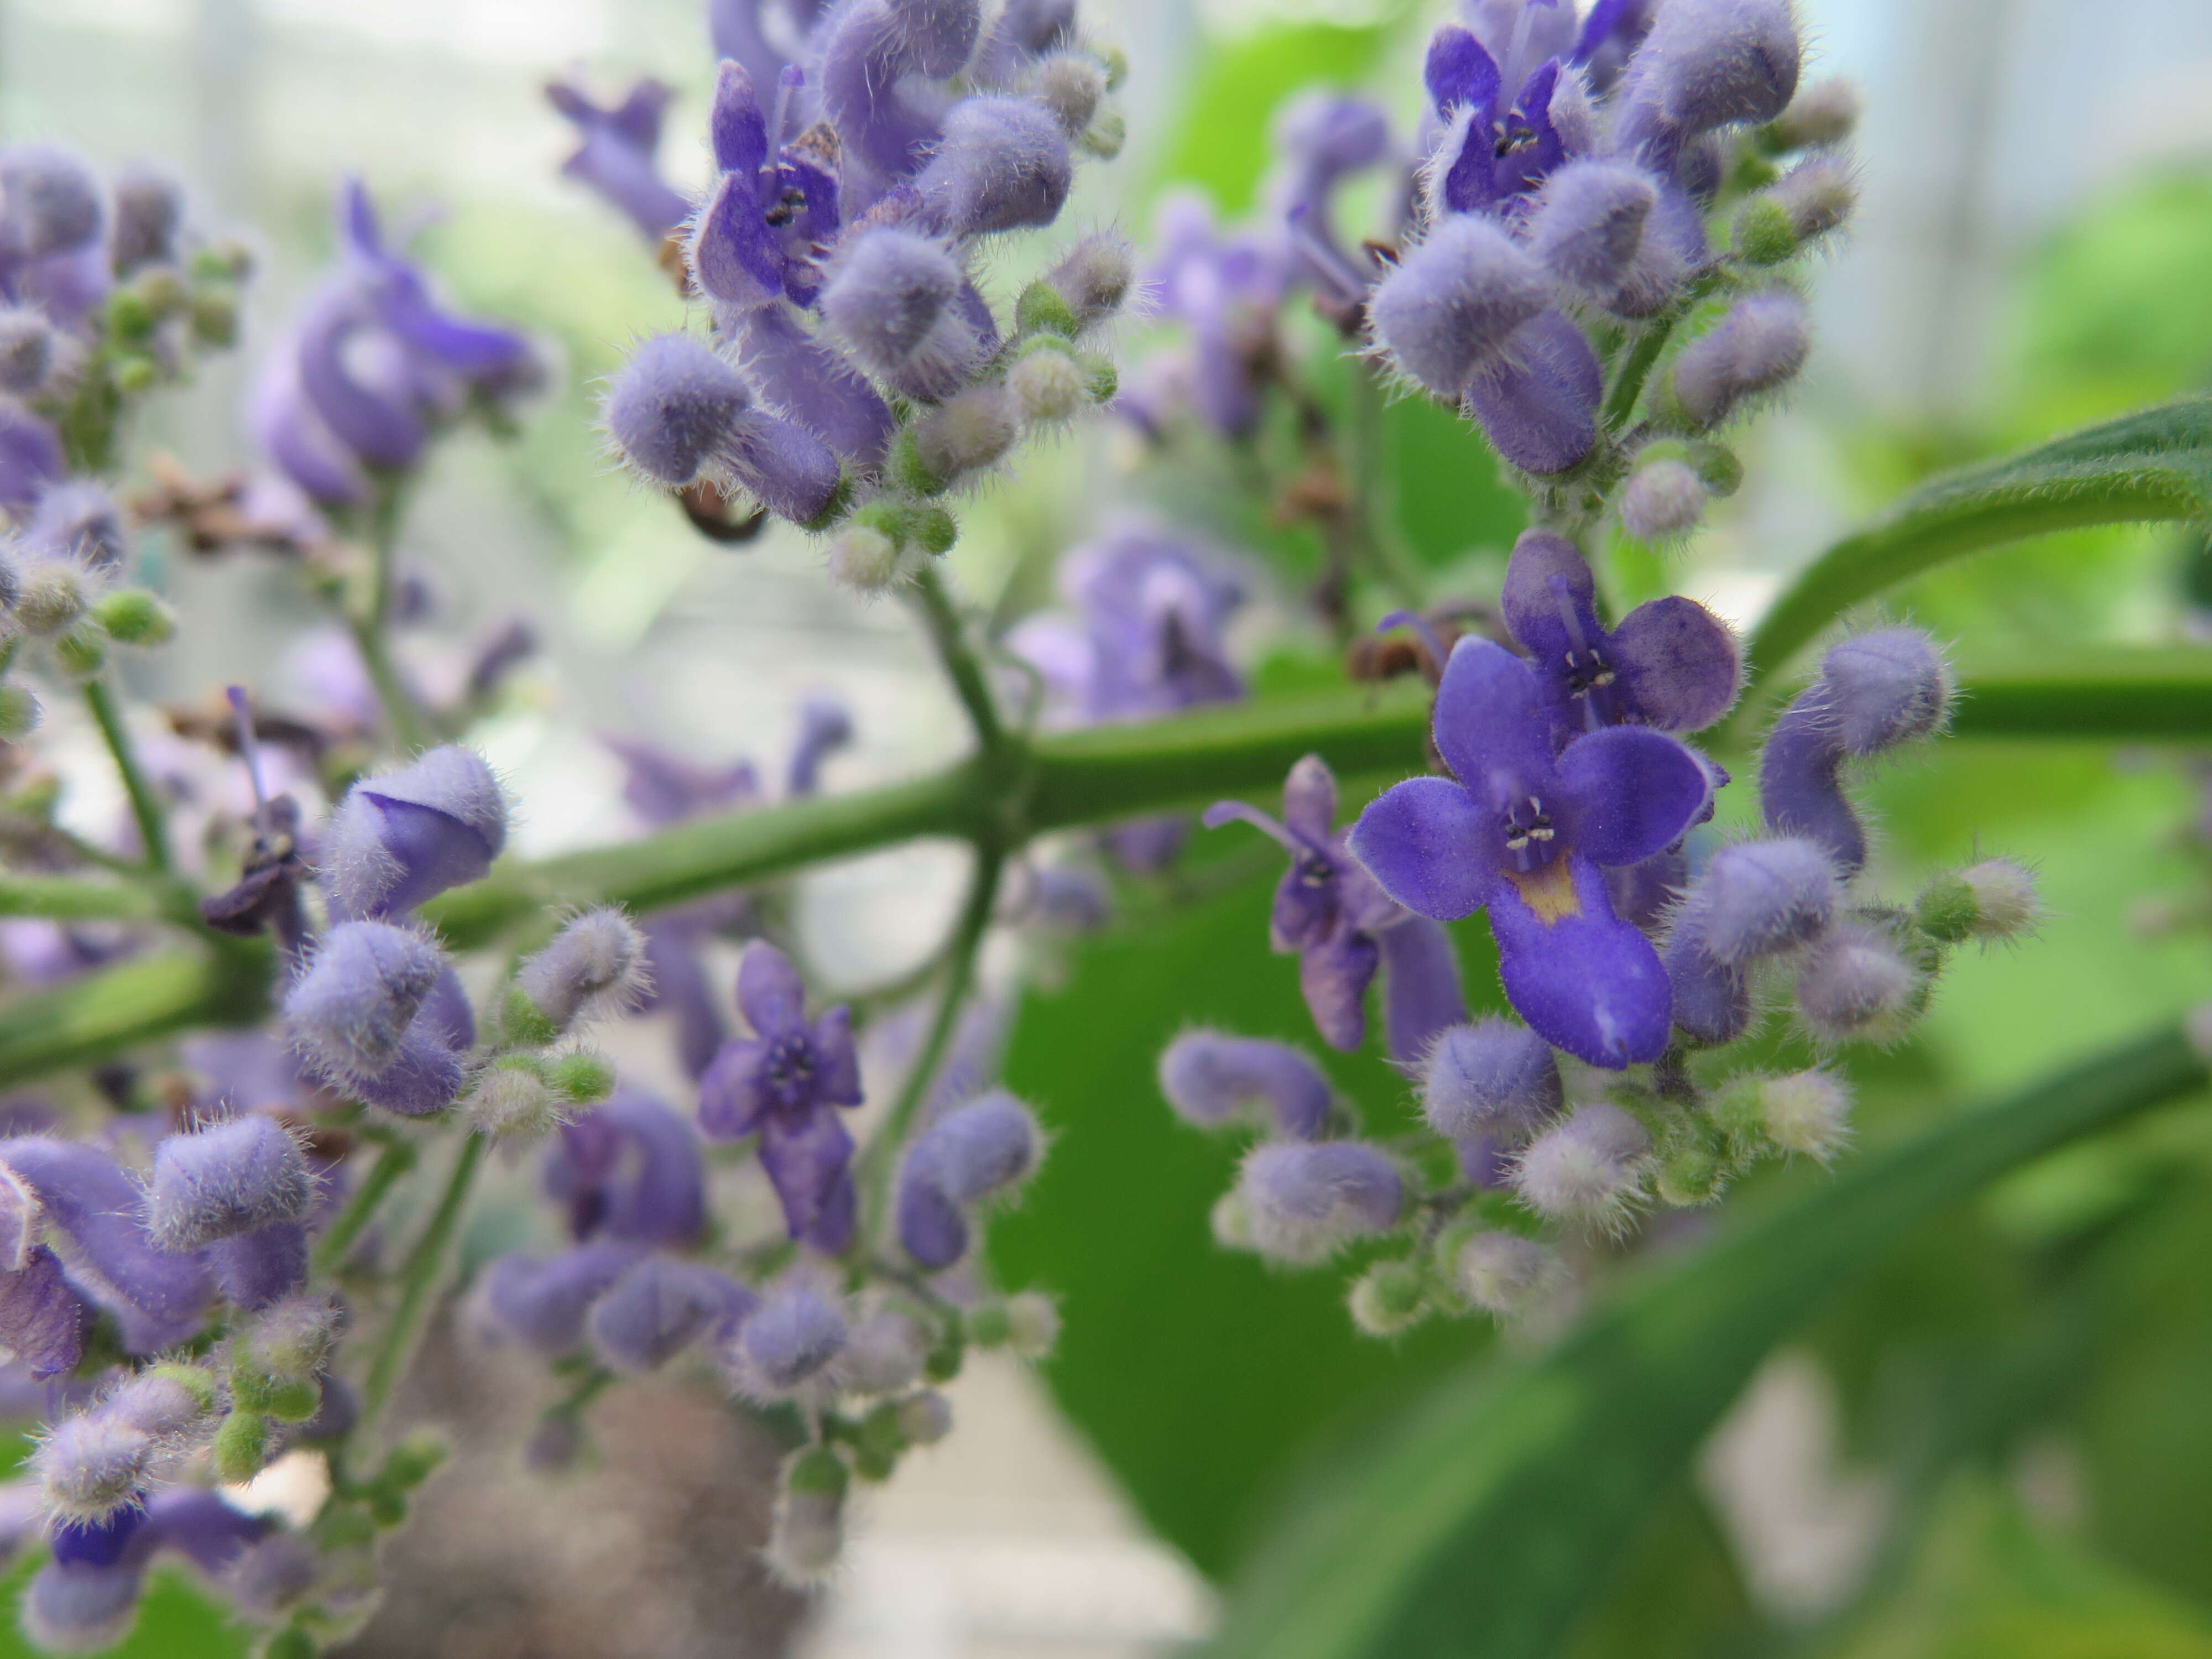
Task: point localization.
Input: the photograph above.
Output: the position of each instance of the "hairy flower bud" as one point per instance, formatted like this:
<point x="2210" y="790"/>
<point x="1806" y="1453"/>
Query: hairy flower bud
<point x="1858" y="984"/>
<point x="1806" y="1112"/>
<point x="1092" y="281"/>
<point x="968" y="430"/>
<point x="49" y="202"/>
<point x="884" y="1352"/>
<point x="1002" y="164"/>
<point x="1305" y="1199"/>
<point x="1825" y="113"/>
<point x="1502" y="1273"/>
<point x="29" y="349"/>
<point x="51" y="596"/>
<point x="1450" y="303"/>
<point x="1212" y="1078"/>
<point x="1070" y="85"/>
<point x="1662" y="500"/>
<point x="1759" y="345"/>
<point x="659" y="1308"/>
<point x="402" y="837"/>
<point x="1816" y="195"/>
<point x="512" y="1099"/>
<point x="1587" y="1169"/>
<point x="1390" y="1297"/>
<point x="893" y="299"/>
<point x="595" y="965"/>
<point x="925" y="1418"/>
<point x="808" y="1532"/>
<point x="1493" y="1078"/>
<point x="349" y="1010"/>
<point x="791" y="1340"/>
<point x="1994" y="899"/>
<point x="1049" y="386"/>
<point x="1707" y="64"/>
<point x="966" y="1156"/>
<point x="679" y="413"/>
<point x="1588" y="225"/>
<point x="20" y="713"/>
<point x="863" y="558"/>
<point x="1759" y="897"/>
<point x="228" y="1179"/>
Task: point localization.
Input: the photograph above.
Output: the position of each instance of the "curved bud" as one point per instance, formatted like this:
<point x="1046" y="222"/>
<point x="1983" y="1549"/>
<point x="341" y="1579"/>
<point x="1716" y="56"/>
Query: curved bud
<point x="962" y="1158"/>
<point x="1587" y="1169"/>
<point x="80" y="521"/>
<point x="1212" y="1078"/>
<point x="149" y="213"/>
<point x="925" y="1418"/>
<point x="1858" y="984"/>
<point x="1070" y="85"/>
<point x="1816" y="195"/>
<point x="1707" y="64"/>
<point x="1493" y="1078"/>
<point x="404" y="836"/>
<point x="1002" y="164"/>
<point x="1886" y="687"/>
<point x="884" y="1352"/>
<point x="1759" y="897"/>
<point x="1994" y="899"/>
<point x="1302" y="1200"/>
<point x="672" y="409"/>
<point x="1712" y="999"/>
<point x="659" y="1308"/>
<point x="893" y="300"/>
<point x="92" y="1465"/>
<point x="1663" y="501"/>
<point x="51" y="596"/>
<point x="349" y="1010"/>
<point x="1825" y="113"/>
<point x="228" y="1179"/>
<point x="1587" y="228"/>
<point x="595" y="965"/>
<point x="1093" y="278"/>
<point x="1759" y="345"/>
<point x="512" y="1099"/>
<point x="791" y="1340"/>
<point x="1390" y="1297"/>
<point x="968" y="430"/>
<point x="1049" y="386"/>
<point x="1451" y="302"/>
<point x="1502" y="1274"/>
<point x="543" y="1301"/>
<point x="863" y="558"/>
<point x="808" y="1532"/>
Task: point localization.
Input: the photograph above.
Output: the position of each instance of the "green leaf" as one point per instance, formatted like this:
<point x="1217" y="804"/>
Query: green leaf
<point x="2154" y="466"/>
<point x="1482" y="1522"/>
<point x="95" y="1017"/>
<point x="2110" y="695"/>
<point x="1197" y="1373"/>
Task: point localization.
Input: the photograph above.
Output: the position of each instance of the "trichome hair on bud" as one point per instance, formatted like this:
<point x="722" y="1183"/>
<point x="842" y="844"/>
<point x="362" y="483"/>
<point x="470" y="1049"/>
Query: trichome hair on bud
<point x="1212" y="1079"/>
<point x="1589" y="1168"/>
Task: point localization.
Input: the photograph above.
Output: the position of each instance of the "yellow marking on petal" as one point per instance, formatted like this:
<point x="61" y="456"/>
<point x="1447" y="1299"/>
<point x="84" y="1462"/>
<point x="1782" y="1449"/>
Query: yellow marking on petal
<point x="1549" y="892"/>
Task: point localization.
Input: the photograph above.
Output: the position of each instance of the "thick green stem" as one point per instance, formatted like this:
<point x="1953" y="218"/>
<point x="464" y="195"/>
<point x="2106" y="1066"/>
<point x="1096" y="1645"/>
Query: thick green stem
<point x="960" y="665"/>
<point x="403" y="719"/>
<point x="418" y="1277"/>
<point x="145" y="808"/>
<point x="63" y="898"/>
<point x="335" y="1245"/>
<point x="881" y="1157"/>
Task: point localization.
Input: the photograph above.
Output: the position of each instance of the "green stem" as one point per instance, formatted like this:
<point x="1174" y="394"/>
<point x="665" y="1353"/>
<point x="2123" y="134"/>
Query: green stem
<point x="960" y="665"/>
<point x="876" y="1164"/>
<point x="101" y="1015"/>
<point x="331" y="1249"/>
<point x="418" y="1277"/>
<point x="145" y="807"/>
<point x="1367" y="480"/>
<point x="403" y="719"/>
<point x="62" y="898"/>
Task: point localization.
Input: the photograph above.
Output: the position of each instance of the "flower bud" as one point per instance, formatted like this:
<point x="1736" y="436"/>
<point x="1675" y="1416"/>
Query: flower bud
<point x="893" y="299"/>
<point x="1587" y="1169"/>
<point x="1712" y="999"/>
<point x="1092" y="281"/>
<point x="29" y="349"/>
<point x="1759" y="345"/>
<point x="82" y="651"/>
<point x="1825" y="113"/>
<point x="19" y="712"/>
<point x="925" y="1418"/>
<point x="659" y="1308"/>
<point x="970" y="430"/>
<point x="677" y="412"/>
<point x="884" y="1352"/>
<point x="808" y="1532"/>
<point x="543" y="1301"/>
<point x="1858" y="984"/>
<point x="92" y="1465"/>
<point x="1588" y="225"/>
<point x="80" y="521"/>
<point x="240" y="1450"/>
<point x="1303" y="1200"/>
<point x="1449" y="304"/>
<point x="1032" y="1325"/>
<point x="1816" y="196"/>
<point x="1493" y="1078"/>
<point x="1885" y="688"/>
<point x="790" y="1340"/>
<point x="1663" y="501"/>
<point x="1049" y="386"/>
<point x="349" y="1010"/>
<point x="595" y="965"/>
<point x="1002" y="164"/>
<point x="404" y="836"/>
<point x="1071" y="86"/>
<point x="1390" y="1297"/>
<point x="294" y="1339"/>
<point x="1994" y="899"/>
<point x="134" y="616"/>
<point x="1707" y="64"/>
<point x="962" y="1158"/>
<point x="49" y="202"/>
<point x="863" y="558"/>
<point x="149" y="213"/>
<point x="1212" y="1078"/>
<point x="50" y="597"/>
<point x="1502" y="1273"/>
<point x="513" y="1100"/>
<point x="1759" y="897"/>
<point x="83" y="1600"/>
<point x="1806" y="1112"/>
<point x="228" y="1179"/>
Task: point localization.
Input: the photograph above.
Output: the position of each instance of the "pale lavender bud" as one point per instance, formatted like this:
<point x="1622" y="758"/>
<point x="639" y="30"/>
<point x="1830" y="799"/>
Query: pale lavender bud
<point x="1759" y="345"/>
<point x="1759" y="897"/>
<point x="257" y="1269"/>
<point x="966" y="1156"/>
<point x="659" y="1308"/>
<point x="884" y="1353"/>
<point x="939" y="34"/>
<point x="791" y="1340"/>
<point x="1093" y="278"/>
<point x="595" y="965"/>
<point x="866" y="560"/>
<point x="2004" y="899"/>
<point x="1663" y="500"/>
<point x="1589" y="225"/>
<point x="228" y="1179"/>
<point x="1818" y="195"/>
<point x="404" y="836"/>
<point x="1451" y="302"/>
<point x="1302" y="1200"/>
<point x="1070" y="85"/>
<point x="1806" y="1112"/>
<point x="73" y="1607"/>
<point x="970" y="430"/>
<point x="1858" y="984"/>
<point x="893" y="300"/>
<point x="79" y="519"/>
<point x="92" y="1465"/>
<point x="1705" y="64"/>
<point x="49" y="202"/>
<point x="149" y="215"/>
<point x="1886" y="687"/>
<point x="1587" y="1169"/>
<point x="925" y="1418"/>
<point x="1825" y="113"/>
<point x="1002" y="164"/>
<point x="1032" y="1325"/>
<point x="28" y="347"/>
<point x="1502" y="1274"/>
<point x="349" y="1010"/>
<point x="270" y="1575"/>
<point x="1212" y="1079"/>
<point x="1493" y="1078"/>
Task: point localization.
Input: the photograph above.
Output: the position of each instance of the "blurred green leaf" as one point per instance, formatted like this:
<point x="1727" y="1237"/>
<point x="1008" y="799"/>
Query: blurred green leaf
<point x="1197" y="1373"/>
<point x="1481" y="1524"/>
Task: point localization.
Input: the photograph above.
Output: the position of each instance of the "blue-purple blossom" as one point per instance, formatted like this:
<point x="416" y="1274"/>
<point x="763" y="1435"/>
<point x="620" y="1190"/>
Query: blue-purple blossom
<point x="372" y="364"/>
<point x="1343" y="926"/>
<point x="1223" y="289"/>
<point x="966" y="1156"/>
<point x="1761" y="344"/>
<point x="86" y="1595"/>
<point x="1491" y="1079"/>
<point x="1525" y="835"/>
<point x="224" y="1180"/>
<point x="1212" y="1078"/>
<point x="614" y="154"/>
<point x="773" y="206"/>
<point x="785" y="1083"/>
<point x="379" y="1015"/>
<point x="1670" y="664"/>
<point x="404" y="836"/>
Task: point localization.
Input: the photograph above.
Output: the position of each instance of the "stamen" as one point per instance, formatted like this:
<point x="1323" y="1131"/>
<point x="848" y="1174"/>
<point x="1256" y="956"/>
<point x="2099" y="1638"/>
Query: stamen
<point x="787" y="83"/>
<point x="1351" y="286"/>
<point x="1422" y="631"/>
<point x="242" y="714"/>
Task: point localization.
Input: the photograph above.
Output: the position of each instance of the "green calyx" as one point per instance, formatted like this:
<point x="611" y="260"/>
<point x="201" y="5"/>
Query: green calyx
<point x="1763" y="234"/>
<point x="1043" y="310"/>
<point x="818" y="1469"/>
<point x="132" y="616"/>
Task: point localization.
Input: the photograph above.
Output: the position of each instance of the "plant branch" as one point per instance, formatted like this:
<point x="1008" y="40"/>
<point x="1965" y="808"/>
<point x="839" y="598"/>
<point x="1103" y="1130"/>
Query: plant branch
<point x="64" y="898"/>
<point x="397" y="1158"/>
<point x="145" y="807"/>
<point x="418" y="1277"/>
<point x="960" y="665"/>
<point x="403" y="721"/>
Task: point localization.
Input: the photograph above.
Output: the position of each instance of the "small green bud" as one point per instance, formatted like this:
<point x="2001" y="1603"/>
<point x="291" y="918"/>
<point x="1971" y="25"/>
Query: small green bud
<point x="294" y="1399"/>
<point x="817" y="1469"/>
<point x="387" y="1508"/>
<point x="932" y="529"/>
<point x="1107" y="135"/>
<point x="1041" y="310"/>
<point x="1116" y="63"/>
<point x="1048" y="384"/>
<point x="131" y="616"/>
<point x="840" y="503"/>
<point x="19" y="712"/>
<point x="1737" y="1110"/>
<point x="130" y="316"/>
<point x="133" y="373"/>
<point x="1718" y="465"/>
<point x="214" y="318"/>
<point x="1807" y="1112"/>
<point x="411" y="1462"/>
<point x="1946" y="909"/>
<point x="251" y="1387"/>
<point x="1390" y="1297"/>
<point x="942" y="1363"/>
<point x="1763" y="234"/>
<point x="83" y="650"/>
<point x="988" y="1326"/>
<point x="1696" y="1164"/>
<point x="1101" y="379"/>
<point x="881" y="1433"/>
<point x="583" y="1077"/>
<point x="1994" y="899"/>
<point x="241" y="1447"/>
<point x="162" y="292"/>
<point x="907" y="471"/>
<point x="522" y="1023"/>
<point x="513" y="1098"/>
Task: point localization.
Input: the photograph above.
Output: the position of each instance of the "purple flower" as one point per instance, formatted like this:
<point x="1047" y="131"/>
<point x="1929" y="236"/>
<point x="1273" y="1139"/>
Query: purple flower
<point x="964" y="1158"/>
<point x="84" y="1598"/>
<point x="1524" y="834"/>
<point x="379" y="1015"/>
<point x="374" y="362"/>
<point x="630" y="1169"/>
<point x="1671" y="663"/>
<point x="772" y="207"/>
<point x="784" y="1083"/>
<point x="1224" y="291"/>
<point x="1329" y="910"/>
<point x="1323" y="138"/>
<point x="1507" y="124"/>
<point x="616" y="156"/>
<point x="404" y="836"/>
